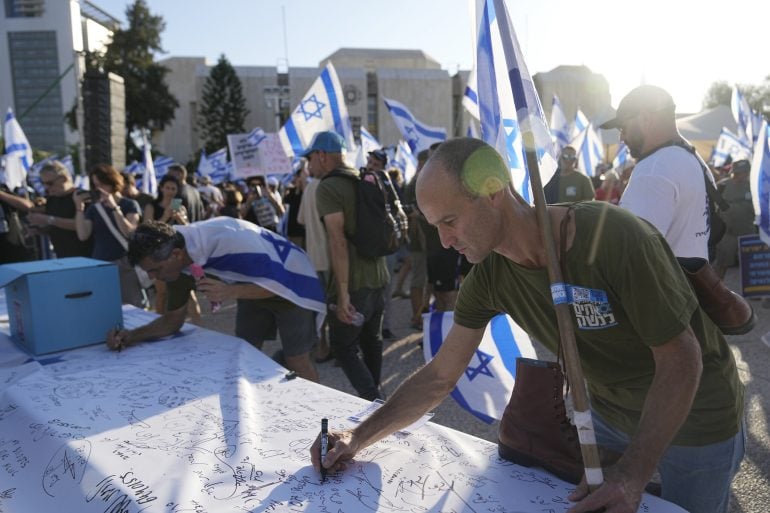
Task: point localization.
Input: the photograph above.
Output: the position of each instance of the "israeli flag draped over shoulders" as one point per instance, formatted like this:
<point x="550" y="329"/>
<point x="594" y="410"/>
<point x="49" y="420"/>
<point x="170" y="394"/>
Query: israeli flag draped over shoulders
<point x="486" y="384"/>
<point x="322" y="108"/>
<point x="508" y="103"/>
<point x="239" y="251"/>
<point x="18" y="152"/>
<point x="418" y="135"/>
<point x="760" y="182"/>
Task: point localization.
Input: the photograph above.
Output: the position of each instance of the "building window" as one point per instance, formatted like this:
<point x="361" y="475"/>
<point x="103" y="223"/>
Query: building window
<point x="372" y="104"/>
<point x="34" y="70"/>
<point x="24" y="8"/>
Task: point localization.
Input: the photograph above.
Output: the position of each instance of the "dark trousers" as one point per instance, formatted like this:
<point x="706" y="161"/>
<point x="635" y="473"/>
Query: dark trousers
<point x="346" y="340"/>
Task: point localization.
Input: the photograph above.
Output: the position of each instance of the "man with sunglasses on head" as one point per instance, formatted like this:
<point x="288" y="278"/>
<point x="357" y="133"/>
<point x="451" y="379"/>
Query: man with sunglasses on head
<point x="57" y="218"/>
<point x="568" y="185"/>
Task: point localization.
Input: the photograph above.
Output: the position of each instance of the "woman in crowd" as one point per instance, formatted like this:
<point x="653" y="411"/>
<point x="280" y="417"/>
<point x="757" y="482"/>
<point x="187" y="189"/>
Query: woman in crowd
<point x="110" y="218"/>
<point x="164" y="208"/>
<point x="167" y="208"/>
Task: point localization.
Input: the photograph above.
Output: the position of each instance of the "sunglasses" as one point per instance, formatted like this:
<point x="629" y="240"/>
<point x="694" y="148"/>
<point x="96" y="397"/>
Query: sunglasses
<point x="568" y="157"/>
<point x="48" y="183"/>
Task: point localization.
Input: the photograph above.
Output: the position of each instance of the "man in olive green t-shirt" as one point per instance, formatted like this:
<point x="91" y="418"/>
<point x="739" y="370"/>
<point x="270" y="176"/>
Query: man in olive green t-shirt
<point x="357" y="282"/>
<point x="569" y="185"/>
<point x="664" y="384"/>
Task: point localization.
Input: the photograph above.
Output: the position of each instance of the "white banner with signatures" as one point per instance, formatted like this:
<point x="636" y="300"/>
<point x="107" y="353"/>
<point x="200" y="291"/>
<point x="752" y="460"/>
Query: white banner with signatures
<point x="204" y="422"/>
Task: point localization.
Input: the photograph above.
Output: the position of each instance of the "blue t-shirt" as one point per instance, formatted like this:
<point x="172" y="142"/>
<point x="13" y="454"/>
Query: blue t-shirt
<point x="106" y="246"/>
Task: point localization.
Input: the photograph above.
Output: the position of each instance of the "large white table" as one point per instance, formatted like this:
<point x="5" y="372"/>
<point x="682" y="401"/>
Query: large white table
<point x="203" y="422"/>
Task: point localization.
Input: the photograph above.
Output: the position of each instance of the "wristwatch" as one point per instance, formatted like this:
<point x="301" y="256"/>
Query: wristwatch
<point x="50" y="220"/>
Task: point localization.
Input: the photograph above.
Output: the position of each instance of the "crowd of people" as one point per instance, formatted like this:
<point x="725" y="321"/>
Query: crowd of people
<point x="666" y="396"/>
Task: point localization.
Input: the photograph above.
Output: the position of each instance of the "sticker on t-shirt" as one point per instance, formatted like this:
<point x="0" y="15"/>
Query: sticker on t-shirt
<point x="592" y="309"/>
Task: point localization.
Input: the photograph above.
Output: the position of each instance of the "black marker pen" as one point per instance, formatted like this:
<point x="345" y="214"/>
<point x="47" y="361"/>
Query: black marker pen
<point x="324" y="446"/>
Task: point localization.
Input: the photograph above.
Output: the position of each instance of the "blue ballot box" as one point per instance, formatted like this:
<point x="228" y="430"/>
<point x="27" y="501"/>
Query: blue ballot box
<point x="61" y="304"/>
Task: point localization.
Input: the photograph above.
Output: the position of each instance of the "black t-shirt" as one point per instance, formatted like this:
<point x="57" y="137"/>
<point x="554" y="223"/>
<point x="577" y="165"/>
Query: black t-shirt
<point x="66" y="242"/>
<point x="293" y="199"/>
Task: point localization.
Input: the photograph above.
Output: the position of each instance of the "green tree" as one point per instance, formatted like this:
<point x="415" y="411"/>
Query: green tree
<point x="758" y="96"/>
<point x="718" y="93"/>
<point x="223" y="107"/>
<point x="131" y="54"/>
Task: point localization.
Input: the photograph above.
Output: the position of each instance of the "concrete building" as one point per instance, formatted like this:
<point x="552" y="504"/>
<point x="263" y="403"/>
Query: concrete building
<point x="41" y="42"/>
<point x="366" y="76"/>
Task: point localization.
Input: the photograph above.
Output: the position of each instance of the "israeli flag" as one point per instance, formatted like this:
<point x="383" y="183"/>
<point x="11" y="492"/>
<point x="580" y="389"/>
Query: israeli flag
<point x="509" y="107"/>
<point x="590" y="150"/>
<point x="18" y="153"/>
<point x="471" y="96"/>
<point x="149" y="180"/>
<point x="161" y="164"/>
<point x="472" y="131"/>
<point x="486" y="385"/>
<point x="743" y="115"/>
<point x="760" y="182"/>
<point x="405" y="160"/>
<point x="621" y="156"/>
<point x="559" y="125"/>
<point x="218" y="164"/>
<point x="322" y="108"/>
<point x="368" y="143"/>
<point x="580" y="124"/>
<point x="234" y="250"/>
<point x="67" y="162"/>
<point x="82" y="182"/>
<point x="730" y="145"/>
<point x="256" y="136"/>
<point x="418" y="135"/>
<point x="135" y="168"/>
<point x="204" y="167"/>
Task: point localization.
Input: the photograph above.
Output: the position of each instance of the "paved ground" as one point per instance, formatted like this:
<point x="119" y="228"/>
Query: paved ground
<point x="402" y="356"/>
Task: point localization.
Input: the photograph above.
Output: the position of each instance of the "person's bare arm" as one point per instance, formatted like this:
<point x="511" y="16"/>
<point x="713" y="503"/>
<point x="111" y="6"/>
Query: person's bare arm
<point x="16" y="202"/>
<point x="165" y="325"/>
<point x="338" y="251"/>
<point x="678" y="367"/>
<point x="83" y="227"/>
<point x="422" y="391"/>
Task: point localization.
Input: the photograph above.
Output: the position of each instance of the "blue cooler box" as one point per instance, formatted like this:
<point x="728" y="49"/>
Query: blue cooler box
<point x="61" y="304"/>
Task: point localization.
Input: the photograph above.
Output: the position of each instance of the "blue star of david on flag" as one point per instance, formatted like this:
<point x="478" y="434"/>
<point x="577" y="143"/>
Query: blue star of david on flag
<point x="483" y="366"/>
<point x="282" y="246"/>
<point x="312" y="108"/>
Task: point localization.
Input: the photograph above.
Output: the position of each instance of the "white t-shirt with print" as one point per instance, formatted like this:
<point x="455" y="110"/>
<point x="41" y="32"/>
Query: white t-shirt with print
<point x="668" y="190"/>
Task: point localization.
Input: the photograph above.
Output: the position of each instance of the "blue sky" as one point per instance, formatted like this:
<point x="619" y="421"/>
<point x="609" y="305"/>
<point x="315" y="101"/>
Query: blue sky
<point x="681" y="45"/>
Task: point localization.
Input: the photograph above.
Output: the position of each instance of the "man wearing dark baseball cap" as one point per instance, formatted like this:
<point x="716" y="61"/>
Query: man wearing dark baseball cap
<point x="669" y="189"/>
<point x="643" y="99"/>
<point x="380" y="158"/>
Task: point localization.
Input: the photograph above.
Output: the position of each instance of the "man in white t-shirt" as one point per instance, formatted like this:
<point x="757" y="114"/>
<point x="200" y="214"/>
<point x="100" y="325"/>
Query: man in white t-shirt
<point x="668" y="189"/>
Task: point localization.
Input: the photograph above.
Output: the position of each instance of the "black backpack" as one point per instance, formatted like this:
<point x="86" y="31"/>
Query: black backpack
<point x="381" y="224"/>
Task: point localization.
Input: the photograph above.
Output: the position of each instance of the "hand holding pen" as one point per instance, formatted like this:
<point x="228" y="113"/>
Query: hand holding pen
<point x="340" y="448"/>
<point x="117" y="338"/>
